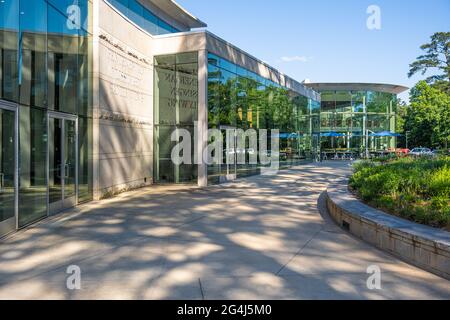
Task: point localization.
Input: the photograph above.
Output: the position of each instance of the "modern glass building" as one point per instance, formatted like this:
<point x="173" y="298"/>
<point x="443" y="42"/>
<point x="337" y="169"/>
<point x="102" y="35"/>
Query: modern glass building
<point x="352" y="114"/>
<point x="241" y="99"/>
<point x="92" y="91"/>
<point x="95" y="94"/>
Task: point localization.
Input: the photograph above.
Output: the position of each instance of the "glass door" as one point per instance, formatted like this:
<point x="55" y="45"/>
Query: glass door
<point x="8" y="169"/>
<point x="62" y="162"/>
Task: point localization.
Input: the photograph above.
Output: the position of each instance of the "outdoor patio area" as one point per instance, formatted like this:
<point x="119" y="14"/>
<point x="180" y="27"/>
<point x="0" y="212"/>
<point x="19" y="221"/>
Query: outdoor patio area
<point x="259" y="238"/>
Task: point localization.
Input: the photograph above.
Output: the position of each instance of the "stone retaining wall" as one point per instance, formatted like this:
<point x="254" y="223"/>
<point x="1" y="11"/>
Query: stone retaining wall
<point x="420" y="245"/>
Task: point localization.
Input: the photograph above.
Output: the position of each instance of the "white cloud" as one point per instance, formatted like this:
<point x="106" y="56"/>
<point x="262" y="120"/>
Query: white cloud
<point x="296" y="59"/>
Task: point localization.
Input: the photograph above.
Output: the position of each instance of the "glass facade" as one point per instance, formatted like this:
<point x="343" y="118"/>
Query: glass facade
<point x="143" y="17"/>
<point x="241" y="99"/>
<point x="175" y="107"/>
<point x="46" y="67"/>
<point x="355" y="116"/>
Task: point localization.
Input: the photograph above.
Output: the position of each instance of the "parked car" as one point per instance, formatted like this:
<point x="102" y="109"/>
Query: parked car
<point x="441" y="152"/>
<point x="421" y="152"/>
<point x="402" y="152"/>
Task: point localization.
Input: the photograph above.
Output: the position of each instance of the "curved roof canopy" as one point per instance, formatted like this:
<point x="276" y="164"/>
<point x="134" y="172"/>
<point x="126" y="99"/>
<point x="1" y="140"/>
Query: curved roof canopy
<point x="380" y="87"/>
<point x="177" y="12"/>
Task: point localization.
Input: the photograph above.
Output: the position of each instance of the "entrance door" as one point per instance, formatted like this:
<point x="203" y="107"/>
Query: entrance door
<point x="62" y="162"/>
<point x="229" y="161"/>
<point x="8" y="168"/>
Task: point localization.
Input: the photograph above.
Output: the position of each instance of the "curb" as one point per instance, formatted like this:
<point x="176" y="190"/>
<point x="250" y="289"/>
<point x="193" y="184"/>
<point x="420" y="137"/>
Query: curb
<point x="419" y="245"/>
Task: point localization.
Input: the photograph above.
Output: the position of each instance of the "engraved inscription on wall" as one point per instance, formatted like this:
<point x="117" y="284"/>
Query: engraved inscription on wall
<point x="127" y="79"/>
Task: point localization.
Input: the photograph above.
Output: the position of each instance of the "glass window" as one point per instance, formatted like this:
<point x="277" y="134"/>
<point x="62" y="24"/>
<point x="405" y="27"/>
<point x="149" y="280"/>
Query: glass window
<point x="121" y="5"/>
<point x="9" y="46"/>
<point x="176" y="107"/>
<point x="63" y="45"/>
<point x="150" y="22"/>
<point x="7" y="165"/>
<point x="136" y="12"/>
<point x="33" y="27"/>
<point x="328" y="101"/>
<point x="33" y="160"/>
<point x="241" y="99"/>
<point x="358" y="99"/>
<point x="343" y="101"/>
<point x="378" y="102"/>
<point x="143" y="17"/>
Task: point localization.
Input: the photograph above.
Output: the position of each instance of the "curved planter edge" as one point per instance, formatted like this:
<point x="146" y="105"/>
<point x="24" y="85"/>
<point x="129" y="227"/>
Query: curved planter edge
<point x="422" y="246"/>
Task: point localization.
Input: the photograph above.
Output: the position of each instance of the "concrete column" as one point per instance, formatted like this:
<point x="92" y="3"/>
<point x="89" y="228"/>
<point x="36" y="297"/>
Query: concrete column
<point x="202" y="116"/>
<point x="1" y="73"/>
<point x="96" y="100"/>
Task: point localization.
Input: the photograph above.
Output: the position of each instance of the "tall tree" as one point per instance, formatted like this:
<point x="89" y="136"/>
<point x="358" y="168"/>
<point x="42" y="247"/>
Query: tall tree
<point x="428" y="117"/>
<point x="437" y="56"/>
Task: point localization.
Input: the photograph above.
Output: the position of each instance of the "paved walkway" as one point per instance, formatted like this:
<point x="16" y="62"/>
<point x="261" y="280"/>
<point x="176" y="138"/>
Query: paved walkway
<point x="259" y="238"/>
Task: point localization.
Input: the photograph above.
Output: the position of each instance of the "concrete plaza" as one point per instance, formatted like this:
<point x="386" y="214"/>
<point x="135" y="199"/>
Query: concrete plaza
<point x="264" y="237"/>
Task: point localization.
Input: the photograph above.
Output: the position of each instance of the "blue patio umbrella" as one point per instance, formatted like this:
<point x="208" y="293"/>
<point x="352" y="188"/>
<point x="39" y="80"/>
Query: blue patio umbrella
<point x="293" y="135"/>
<point x="385" y="134"/>
<point x="332" y="134"/>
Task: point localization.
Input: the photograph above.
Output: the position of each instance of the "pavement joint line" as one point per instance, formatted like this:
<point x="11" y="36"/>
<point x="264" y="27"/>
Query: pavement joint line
<point x="299" y="251"/>
<point x="100" y="253"/>
<point x="201" y="289"/>
<point x="191" y="221"/>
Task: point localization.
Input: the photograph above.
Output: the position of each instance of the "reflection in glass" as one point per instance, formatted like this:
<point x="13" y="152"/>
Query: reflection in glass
<point x="32" y="182"/>
<point x="49" y="68"/>
<point x="355" y="115"/>
<point x="176" y="107"/>
<point x="143" y="17"/>
<point x="55" y="158"/>
<point x="9" y="46"/>
<point x="241" y="99"/>
<point x="85" y="185"/>
<point x="7" y="165"/>
<point x="33" y="55"/>
<point x="70" y="159"/>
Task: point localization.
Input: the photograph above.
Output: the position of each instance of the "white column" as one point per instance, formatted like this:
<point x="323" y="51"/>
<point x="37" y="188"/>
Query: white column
<point x="96" y="100"/>
<point x="202" y="117"/>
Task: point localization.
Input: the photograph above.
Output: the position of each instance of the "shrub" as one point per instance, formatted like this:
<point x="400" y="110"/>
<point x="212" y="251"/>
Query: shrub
<point x="416" y="189"/>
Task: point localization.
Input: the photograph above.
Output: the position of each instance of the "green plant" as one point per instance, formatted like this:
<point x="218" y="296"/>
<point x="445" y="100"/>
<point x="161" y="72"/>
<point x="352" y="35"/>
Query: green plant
<point x="415" y="189"/>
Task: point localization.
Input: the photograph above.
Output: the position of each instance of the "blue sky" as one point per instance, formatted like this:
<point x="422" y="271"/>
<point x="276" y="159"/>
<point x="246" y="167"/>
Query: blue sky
<point x="328" y="40"/>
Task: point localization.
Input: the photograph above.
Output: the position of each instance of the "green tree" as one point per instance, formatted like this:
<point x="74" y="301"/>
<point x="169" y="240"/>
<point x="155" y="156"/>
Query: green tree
<point x="437" y="56"/>
<point x="402" y="109"/>
<point x="428" y="117"/>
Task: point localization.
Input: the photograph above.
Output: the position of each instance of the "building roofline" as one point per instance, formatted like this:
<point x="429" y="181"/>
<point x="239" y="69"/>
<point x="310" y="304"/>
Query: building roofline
<point x="312" y="92"/>
<point x="177" y="12"/>
<point x="358" y="86"/>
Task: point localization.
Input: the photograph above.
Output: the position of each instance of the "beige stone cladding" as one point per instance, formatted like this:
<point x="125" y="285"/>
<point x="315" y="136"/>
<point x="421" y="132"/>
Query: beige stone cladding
<point x="123" y="107"/>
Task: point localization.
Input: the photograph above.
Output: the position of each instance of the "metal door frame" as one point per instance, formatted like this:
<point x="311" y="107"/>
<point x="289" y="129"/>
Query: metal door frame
<point x="63" y="117"/>
<point x="13" y="107"/>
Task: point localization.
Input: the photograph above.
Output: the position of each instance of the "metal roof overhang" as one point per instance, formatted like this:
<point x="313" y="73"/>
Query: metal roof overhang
<point x="176" y="11"/>
<point x="380" y="87"/>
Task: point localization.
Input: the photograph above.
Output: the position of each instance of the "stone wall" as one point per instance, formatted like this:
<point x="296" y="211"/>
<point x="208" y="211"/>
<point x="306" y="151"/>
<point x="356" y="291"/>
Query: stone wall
<point x="425" y="247"/>
<point x="123" y="109"/>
